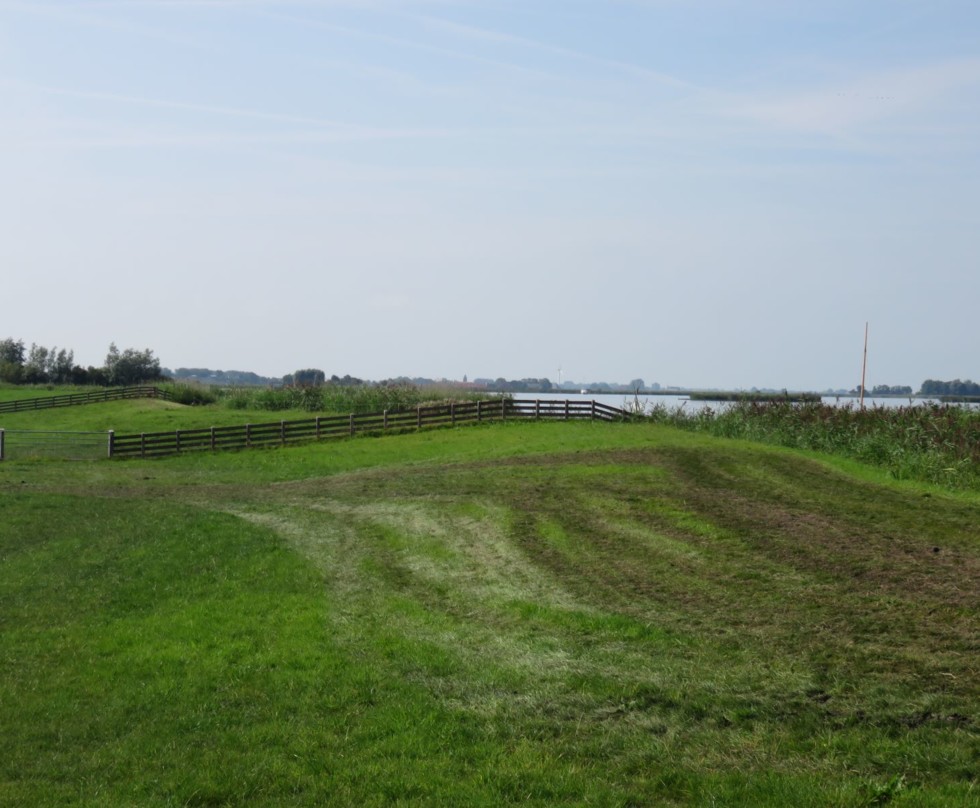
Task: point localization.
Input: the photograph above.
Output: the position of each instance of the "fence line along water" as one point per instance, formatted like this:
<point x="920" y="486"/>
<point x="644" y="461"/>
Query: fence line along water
<point x="280" y="433"/>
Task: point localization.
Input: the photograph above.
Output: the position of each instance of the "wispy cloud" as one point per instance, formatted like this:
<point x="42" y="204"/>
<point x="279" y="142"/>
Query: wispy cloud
<point x="501" y="38"/>
<point x="96" y="4"/>
<point x="405" y="42"/>
<point x="849" y="107"/>
<point x="94" y="15"/>
<point x="319" y="129"/>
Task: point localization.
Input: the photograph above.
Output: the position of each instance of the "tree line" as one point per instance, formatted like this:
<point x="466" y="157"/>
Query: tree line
<point x="891" y="390"/>
<point x="931" y="388"/>
<point x="41" y="365"/>
<point x="934" y="387"/>
<point x="222" y="378"/>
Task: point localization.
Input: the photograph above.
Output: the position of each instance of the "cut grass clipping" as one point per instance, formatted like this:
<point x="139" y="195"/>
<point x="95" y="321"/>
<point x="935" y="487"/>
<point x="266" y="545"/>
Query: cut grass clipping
<point x="541" y="614"/>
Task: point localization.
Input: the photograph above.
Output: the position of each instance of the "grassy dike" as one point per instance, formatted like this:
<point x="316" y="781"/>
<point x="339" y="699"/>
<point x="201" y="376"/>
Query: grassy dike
<point x="580" y="614"/>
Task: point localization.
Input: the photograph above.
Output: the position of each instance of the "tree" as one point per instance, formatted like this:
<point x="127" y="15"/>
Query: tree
<point x="891" y="390"/>
<point x="935" y="387"/>
<point x="131" y="366"/>
<point x="11" y="360"/>
<point x="89" y="375"/>
<point x="12" y="351"/>
<point x="309" y="377"/>
<point x="60" y="365"/>
<point x="11" y="372"/>
<point x="36" y="366"/>
<point x="346" y="381"/>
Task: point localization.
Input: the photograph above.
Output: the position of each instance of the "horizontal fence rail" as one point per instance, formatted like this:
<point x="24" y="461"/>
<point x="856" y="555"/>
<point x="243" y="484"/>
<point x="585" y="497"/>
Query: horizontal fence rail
<point x="31" y="444"/>
<point x="280" y="433"/>
<point x="92" y="397"/>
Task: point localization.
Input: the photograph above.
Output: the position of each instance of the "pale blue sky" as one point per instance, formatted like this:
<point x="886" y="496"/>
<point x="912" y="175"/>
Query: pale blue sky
<point x="704" y="193"/>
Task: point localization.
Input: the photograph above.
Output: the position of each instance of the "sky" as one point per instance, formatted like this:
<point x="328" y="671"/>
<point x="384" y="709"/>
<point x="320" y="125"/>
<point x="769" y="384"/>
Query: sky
<point x="698" y="193"/>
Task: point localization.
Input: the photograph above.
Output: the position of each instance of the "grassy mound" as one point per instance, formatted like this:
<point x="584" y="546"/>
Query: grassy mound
<point x="526" y="613"/>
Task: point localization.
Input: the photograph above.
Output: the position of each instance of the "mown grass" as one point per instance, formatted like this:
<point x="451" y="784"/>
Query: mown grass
<point x="139" y="415"/>
<point x="16" y="392"/>
<point x="580" y="614"/>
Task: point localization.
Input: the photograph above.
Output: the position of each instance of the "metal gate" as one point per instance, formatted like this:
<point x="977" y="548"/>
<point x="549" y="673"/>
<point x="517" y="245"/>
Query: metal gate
<point x="23" y="444"/>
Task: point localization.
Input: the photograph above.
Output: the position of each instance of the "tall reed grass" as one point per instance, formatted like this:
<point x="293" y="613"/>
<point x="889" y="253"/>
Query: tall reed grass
<point x="358" y="399"/>
<point x="932" y="443"/>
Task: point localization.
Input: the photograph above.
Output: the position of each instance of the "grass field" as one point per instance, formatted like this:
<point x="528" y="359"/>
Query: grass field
<point x="140" y="415"/>
<point x="580" y="614"/>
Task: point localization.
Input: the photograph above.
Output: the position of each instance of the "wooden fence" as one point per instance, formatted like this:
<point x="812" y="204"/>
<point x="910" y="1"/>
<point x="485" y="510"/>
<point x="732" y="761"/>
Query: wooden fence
<point x="280" y="433"/>
<point x="71" y="399"/>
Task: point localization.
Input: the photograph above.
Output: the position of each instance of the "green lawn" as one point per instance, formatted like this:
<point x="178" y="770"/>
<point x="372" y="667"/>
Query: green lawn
<point x="20" y="392"/>
<point x="580" y="614"/>
<point x="141" y="415"/>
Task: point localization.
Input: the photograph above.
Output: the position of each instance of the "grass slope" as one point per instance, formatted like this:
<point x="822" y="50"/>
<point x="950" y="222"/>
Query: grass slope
<point x="140" y="415"/>
<point x="21" y="392"/>
<point x="523" y="613"/>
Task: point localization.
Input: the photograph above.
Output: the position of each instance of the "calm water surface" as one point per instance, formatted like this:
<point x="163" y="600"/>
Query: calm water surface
<point x="626" y="400"/>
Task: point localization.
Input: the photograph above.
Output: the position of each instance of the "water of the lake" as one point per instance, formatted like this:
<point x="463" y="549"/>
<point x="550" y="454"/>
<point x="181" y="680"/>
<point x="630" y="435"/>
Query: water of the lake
<point x="628" y="400"/>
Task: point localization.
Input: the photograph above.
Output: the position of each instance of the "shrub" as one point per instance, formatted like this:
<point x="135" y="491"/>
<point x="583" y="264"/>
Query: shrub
<point x="192" y="394"/>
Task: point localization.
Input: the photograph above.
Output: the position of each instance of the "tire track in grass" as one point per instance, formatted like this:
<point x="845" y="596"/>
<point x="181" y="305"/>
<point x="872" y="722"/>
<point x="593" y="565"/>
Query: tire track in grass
<point x="628" y="593"/>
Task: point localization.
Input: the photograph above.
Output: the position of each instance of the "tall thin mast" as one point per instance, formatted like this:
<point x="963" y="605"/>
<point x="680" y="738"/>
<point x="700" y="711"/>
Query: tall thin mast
<point x="864" y="364"/>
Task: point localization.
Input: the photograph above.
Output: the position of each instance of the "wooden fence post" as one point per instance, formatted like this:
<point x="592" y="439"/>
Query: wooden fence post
<point x="317" y="427"/>
<point x="418" y="416"/>
<point x="142" y="444"/>
<point x="592" y="418"/>
<point x="282" y="432"/>
<point x="452" y="413"/>
<point x="384" y="421"/>
<point x="177" y="440"/>
<point x="537" y="409"/>
<point x="248" y="436"/>
<point x="212" y="439"/>
<point x="351" y="420"/>
<point x="1" y="444"/>
<point x="479" y="413"/>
